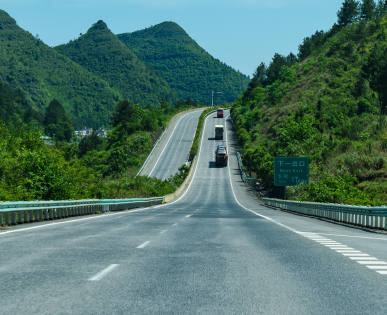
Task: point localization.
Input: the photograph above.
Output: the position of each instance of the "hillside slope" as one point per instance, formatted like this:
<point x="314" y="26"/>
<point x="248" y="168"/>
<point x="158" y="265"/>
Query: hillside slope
<point x="102" y="53"/>
<point x="188" y="69"/>
<point x="44" y="74"/>
<point x="323" y="107"/>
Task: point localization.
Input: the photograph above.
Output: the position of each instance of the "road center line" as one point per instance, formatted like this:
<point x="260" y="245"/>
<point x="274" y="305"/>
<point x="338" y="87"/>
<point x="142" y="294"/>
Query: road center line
<point x="143" y="244"/>
<point x="103" y="273"/>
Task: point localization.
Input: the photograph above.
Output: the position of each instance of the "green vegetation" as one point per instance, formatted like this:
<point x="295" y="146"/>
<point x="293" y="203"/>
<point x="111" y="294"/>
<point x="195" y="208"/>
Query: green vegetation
<point x="187" y="67"/>
<point x="103" y="54"/>
<point x="328" y="104"/>
<point x="96" y="168"/>
<point x="195" y="144"/>
<point x="44" y="74"/>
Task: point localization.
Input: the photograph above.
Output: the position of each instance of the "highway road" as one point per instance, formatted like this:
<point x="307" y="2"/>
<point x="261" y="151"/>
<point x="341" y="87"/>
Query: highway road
<point x="215" y="250"/>
<point x="173" y="148"/>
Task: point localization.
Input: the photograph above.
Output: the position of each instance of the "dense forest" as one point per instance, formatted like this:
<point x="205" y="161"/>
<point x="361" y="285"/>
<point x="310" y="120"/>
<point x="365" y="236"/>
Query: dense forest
<point x="187" y="67"/>
<point x="93" y="168"/>
<point x="328" y="103"/>
<point x="103" y="54"/>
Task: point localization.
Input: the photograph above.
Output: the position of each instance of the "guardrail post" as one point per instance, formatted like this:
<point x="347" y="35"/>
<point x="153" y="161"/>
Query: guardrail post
<point x="37" y="215"/>
<point x="20" y="217"/>
<point x="7" y="219"/>
<point x="1" y="218"/>
<point x="31" y="213"/>
<point x="13" y="217"/>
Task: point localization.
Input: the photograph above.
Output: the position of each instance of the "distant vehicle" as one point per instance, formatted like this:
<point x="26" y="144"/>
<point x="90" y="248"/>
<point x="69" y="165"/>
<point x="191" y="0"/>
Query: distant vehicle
<point x="220" y="113"/>
<point x="221" y="157"/>
<point x="218" y="132"/>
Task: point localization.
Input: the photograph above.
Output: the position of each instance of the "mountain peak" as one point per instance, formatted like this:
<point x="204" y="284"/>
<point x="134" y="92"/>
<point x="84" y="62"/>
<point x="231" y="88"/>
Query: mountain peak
<point x="6" y="21"/>
<point x="100" y="25"/>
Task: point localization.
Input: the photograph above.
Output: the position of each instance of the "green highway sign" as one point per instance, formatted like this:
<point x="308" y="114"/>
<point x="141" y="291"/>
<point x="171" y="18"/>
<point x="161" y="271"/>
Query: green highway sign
<point x="290" y="171"/>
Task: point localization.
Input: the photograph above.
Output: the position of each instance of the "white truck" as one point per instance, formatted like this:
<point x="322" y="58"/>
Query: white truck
<point x="218" y="132"/>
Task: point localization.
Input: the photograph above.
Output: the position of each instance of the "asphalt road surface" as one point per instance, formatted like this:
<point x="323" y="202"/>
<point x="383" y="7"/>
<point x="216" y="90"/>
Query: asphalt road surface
<point x="173" y="148"/>
<point x="215" y="250"/>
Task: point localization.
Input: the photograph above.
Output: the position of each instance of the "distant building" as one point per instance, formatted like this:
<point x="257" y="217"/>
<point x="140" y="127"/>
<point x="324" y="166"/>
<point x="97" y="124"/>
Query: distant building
<point x="102" y="132"/>
<point x="84" y="132"/>
<point x="46" y="140"/>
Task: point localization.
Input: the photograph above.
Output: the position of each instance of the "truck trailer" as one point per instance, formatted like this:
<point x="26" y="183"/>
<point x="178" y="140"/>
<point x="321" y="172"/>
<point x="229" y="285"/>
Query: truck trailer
<point x="218" y="132"/>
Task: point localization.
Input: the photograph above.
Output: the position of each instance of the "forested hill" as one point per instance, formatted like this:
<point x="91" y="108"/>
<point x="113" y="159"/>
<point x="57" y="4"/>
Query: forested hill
<point x="102" y="53"/>
<point x="187" y="67"/>
<point x="44" y="74"/>
<point x="329" y="104"/>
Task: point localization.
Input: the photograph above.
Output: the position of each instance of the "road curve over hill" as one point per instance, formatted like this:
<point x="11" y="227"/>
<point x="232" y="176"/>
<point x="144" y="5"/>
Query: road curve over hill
<point x="173" y="148"/>
<point x="213" y="251"/>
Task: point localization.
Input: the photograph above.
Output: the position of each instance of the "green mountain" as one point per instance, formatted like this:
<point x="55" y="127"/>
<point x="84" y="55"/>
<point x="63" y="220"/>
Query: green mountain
<point x="102" y="53"/>
<point x="329" y="105"/>
<point x="187" y="67"/>
<point x="44" y="74"/>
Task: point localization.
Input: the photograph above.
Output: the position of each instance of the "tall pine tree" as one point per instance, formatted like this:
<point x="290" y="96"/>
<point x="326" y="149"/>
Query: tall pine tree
<point x="380" y="8"/>
<point x="348" y="13"/>
<point x="367" y="10"/>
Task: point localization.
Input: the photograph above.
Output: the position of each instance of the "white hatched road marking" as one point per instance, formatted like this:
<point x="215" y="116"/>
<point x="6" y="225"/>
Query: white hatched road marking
<point x="103" y="273"/>
<point x="143" y="244"/>
<point x="355" y="255"/>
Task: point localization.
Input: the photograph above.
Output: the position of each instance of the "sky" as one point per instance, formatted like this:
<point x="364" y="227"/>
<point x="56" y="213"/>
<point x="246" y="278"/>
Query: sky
<point x="241" y="33"/>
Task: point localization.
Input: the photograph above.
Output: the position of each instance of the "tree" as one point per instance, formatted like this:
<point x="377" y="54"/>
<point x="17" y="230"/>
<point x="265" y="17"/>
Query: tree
<point x="126" y="116"/>
<point x="57" y="122"/>
<point x="90" y="143"/>
<point x="381" y="8"/>
<point x="348" y="13"/>
<point x="367" y="10"/>
<point x="54" y="113"/>
<point x="375" y="71"/>
<point x="259" y="77"/>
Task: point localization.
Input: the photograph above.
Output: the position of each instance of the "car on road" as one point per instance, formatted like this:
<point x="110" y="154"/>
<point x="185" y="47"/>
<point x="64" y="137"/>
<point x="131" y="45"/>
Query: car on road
<point x="220" y="113"/>
<point x="221" y="157"/>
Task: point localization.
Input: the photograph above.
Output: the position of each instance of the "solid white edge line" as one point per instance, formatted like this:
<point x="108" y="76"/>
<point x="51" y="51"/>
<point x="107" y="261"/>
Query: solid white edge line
<point x="382" y="272"/>
<point x="167" y="143"/>
<point x="377" y="267"/>
<point x="232" y="189"/>
<point x="143" y="244"/>
<point x="103" y="273"/>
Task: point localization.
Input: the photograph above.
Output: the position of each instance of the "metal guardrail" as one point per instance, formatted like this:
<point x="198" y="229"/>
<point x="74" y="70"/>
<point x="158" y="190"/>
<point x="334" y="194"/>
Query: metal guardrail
<point x="242" y="171"/>
<point x="33" y="211"/>
<point x="373" y="217"/>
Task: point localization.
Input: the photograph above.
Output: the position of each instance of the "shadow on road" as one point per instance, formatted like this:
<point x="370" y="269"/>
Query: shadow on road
<point x="212" y="164"/>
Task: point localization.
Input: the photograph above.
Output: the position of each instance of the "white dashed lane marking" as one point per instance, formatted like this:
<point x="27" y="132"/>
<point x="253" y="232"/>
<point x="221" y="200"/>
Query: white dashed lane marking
<point x="349" y="252"/>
